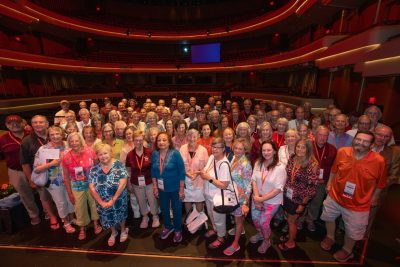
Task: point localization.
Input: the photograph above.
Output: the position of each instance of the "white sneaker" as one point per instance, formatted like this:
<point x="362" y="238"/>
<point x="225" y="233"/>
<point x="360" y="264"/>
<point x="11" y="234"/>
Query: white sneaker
<point x="145" y="222"/>
<point x="255" y="238"/>
<point x="156" y="222"/>
<point x="232" y="231"/>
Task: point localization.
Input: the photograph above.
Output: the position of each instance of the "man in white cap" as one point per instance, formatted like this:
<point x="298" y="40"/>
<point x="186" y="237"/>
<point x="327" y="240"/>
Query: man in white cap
<point x="59" y="118"/>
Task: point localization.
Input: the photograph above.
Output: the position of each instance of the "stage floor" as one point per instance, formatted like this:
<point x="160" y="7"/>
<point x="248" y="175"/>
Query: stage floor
<point x="38" y="246"/>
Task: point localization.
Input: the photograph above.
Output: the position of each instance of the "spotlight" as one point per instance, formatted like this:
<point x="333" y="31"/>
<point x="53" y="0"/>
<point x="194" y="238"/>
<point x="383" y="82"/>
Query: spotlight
<point x="128" y="32"/>
<point x="208" y="32"/>
<point x="271" y="3"/>
<point x="98" y="8"/>
<point x="185" y="49"/>
<point x="227" y="29"/>
<point x="149" y="34"/>
<point x="18" y="38"/>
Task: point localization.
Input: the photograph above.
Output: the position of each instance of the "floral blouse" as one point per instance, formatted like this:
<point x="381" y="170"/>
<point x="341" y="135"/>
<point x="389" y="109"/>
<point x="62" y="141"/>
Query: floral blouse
<point x="301" y="181"/>
<point x="241" y="175"/>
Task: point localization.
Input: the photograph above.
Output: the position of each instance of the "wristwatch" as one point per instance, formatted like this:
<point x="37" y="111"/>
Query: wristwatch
<point x="211" y="181"/>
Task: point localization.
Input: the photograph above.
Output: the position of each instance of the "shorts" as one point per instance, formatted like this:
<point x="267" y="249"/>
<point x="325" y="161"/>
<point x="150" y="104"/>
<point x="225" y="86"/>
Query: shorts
<point x="355" y="222"/>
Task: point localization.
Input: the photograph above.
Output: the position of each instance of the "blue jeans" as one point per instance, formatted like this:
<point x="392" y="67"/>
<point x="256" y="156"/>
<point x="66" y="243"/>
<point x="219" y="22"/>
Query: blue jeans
<point x="168" y="199"/>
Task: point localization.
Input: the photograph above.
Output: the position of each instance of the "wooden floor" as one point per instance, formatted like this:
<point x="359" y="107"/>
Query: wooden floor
<point x="37" y="246"/>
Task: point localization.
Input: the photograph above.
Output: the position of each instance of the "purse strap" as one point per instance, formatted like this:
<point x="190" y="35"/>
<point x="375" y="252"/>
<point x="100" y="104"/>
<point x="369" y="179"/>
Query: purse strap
<point x="230" y="176"/>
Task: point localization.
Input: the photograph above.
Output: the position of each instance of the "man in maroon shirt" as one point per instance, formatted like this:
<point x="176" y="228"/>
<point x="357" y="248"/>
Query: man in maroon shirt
<point x="247" y="111"/>
<point x="10" y="146"/>
<point x="325" y="154"/>
<point x="234" y="118"/>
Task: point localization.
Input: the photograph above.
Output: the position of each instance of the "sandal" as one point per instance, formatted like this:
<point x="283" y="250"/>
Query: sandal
<point x="284" y="247"/>
<point x="124" y="235"/>
<point x="217" y="243"/>
<point x="111" y="240"/>
<point x="68" y="228"/>
<point x="229" y="251"/>
<point x="54" y="226"/>
<point x="98" y="229"/>
<point x="82" y="234"/>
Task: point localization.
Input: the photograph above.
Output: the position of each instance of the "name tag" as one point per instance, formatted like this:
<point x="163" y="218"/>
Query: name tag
<point x="79" y="175"/>
<point x="349" y="190"/>
<point x="160" y="184"/>
<point x="141" y="181"/>
<point x="289" y="193"/>
<point x="321" y="174"/>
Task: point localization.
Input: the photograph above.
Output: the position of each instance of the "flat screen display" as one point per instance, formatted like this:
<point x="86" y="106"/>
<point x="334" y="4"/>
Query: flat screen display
<point x="206" y="53"/>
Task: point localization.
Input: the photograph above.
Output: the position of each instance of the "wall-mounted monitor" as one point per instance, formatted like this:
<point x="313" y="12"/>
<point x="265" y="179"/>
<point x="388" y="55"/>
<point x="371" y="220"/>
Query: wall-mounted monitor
<point x="206" y="53"/>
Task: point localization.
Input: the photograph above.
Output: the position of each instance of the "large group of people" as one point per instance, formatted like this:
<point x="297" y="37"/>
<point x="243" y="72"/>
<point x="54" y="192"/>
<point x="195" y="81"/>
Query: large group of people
<point x="285" y="166"/>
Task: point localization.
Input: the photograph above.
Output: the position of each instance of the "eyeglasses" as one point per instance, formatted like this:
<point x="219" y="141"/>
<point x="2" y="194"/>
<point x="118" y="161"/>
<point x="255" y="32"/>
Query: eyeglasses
<point x="215" y="147"/>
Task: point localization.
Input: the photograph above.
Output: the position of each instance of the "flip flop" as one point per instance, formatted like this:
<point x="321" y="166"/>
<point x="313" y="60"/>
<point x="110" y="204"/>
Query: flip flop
<point x="111" y="240"/>
<point x="124" y="235"/>
<point x="229" y="251"/>
<point x="82" y="234"/>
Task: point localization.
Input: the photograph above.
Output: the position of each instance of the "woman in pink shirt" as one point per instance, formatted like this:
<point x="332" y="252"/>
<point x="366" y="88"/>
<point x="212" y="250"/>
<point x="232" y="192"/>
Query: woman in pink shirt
<point x="77" y="163"/>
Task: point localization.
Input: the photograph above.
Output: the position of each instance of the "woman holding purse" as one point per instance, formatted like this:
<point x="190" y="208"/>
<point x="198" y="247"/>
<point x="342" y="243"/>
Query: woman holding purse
<point x="216" y="173"/>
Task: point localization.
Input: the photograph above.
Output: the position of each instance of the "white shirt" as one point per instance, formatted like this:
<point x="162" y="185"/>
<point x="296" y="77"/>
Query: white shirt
<point x="223" y="175"/>
<point x="82" y="124"/>
<point x="274" y="179"/>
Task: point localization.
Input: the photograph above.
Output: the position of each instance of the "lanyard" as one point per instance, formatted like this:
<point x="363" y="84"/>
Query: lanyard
<point x="73" y="158"/>
<point x="319" y="158"/>
<point x="296" y="168"/>
<point x="280" y="142"/>
<point x="262" y="174"/>
<point x="14" y="139"/>
<point x="40" y="141"/>
<point x="162" y="162"/>
<point x="141" y="162"/>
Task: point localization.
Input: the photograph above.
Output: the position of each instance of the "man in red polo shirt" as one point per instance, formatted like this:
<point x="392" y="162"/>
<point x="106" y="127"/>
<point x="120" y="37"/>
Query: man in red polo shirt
<point x="10" y="146"/>
<point x="357" y="177"/>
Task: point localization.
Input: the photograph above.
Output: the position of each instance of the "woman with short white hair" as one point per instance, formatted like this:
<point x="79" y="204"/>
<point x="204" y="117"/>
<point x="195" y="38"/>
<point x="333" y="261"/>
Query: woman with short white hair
<point x="195" y="157"/>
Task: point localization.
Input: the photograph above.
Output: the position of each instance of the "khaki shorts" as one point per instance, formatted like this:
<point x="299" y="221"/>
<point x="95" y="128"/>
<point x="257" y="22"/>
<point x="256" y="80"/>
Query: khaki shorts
<point x="355" y="222"/>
